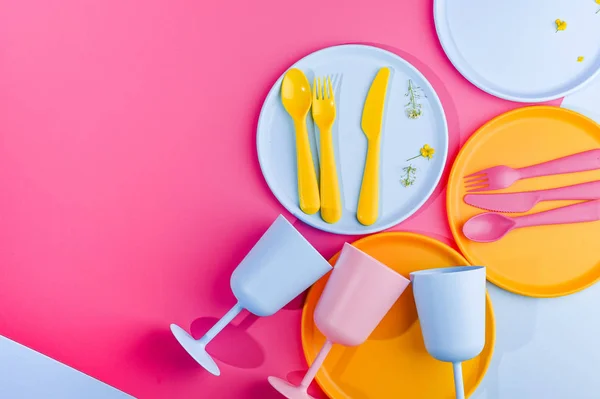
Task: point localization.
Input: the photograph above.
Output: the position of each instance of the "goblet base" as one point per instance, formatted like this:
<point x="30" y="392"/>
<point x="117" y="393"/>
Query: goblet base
<point x="196" y="349"/>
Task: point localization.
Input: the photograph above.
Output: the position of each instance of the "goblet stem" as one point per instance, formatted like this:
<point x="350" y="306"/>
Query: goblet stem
<point x="314" y="368"/>
<point x="221" y="324"/>
<point x="458" y="380"/>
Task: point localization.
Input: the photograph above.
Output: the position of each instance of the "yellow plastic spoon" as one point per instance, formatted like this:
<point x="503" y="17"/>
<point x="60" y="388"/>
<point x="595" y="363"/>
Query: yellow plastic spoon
<point x="297" y="98"/>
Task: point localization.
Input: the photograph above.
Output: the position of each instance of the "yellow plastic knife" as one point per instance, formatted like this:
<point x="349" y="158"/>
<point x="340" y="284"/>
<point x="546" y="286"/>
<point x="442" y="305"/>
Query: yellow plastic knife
<point x="372" y="122"/>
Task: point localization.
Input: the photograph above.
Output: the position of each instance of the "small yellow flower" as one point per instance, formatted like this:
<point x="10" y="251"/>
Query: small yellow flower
<point x="580" y="58"/>
<point x="597" y="2"/>
<point x="560" y="25"/>
<point x="426" y="152"/>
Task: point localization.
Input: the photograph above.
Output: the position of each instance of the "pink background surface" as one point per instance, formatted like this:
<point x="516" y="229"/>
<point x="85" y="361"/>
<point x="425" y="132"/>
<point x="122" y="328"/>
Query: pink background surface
<point x="130" y="182"/>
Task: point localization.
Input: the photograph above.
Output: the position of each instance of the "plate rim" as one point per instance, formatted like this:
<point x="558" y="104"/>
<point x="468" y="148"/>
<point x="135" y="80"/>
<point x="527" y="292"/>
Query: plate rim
<point x="452" y="176"/>
<point x="331" y="228"/>
<point x="437" y="17"/>
<point x="410" y="235"/>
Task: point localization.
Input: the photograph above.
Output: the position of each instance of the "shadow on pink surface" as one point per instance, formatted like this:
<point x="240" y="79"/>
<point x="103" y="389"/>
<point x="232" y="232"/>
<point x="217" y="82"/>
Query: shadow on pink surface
<point x="295" y="377"/>
<point x="297" y="303"/>
<point x="159" y="352"/>
<point x="233" y="346"/>
<point x="263" y="390"/>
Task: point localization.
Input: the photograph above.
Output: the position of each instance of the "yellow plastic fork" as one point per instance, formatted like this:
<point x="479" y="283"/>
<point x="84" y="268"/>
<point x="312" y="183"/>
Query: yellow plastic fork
<point x="323" y="112"/>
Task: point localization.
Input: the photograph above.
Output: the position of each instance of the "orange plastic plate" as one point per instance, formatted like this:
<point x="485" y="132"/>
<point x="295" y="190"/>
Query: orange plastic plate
<point x="393" y="362"/>
<point x="545" y="261"/>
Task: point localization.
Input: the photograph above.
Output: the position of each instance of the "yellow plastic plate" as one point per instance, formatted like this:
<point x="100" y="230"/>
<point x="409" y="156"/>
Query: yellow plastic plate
<point x="393" y="362"/>
<point x="545" y="261"/>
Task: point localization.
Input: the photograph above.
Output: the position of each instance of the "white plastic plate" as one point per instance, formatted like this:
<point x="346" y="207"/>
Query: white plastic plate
<point x="510" y="48"/>
<point x="401" y="138"/>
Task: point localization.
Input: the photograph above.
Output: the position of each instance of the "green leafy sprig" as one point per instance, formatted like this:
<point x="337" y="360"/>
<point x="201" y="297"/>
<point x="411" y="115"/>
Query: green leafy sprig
<point x="409" y="176"/>
<point x="414" y="109"/>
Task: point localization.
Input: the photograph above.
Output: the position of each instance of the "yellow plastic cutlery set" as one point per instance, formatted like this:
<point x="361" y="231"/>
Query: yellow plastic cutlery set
<point x="298" y="99"/>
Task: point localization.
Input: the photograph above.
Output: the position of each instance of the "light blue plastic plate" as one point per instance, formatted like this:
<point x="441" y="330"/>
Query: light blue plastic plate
<point x="510" y="48"/>
<point x="401" y="138"/>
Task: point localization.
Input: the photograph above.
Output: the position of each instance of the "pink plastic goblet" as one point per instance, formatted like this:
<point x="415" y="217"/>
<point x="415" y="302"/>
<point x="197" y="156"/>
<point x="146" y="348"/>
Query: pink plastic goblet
<point x="358" y="294"/>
